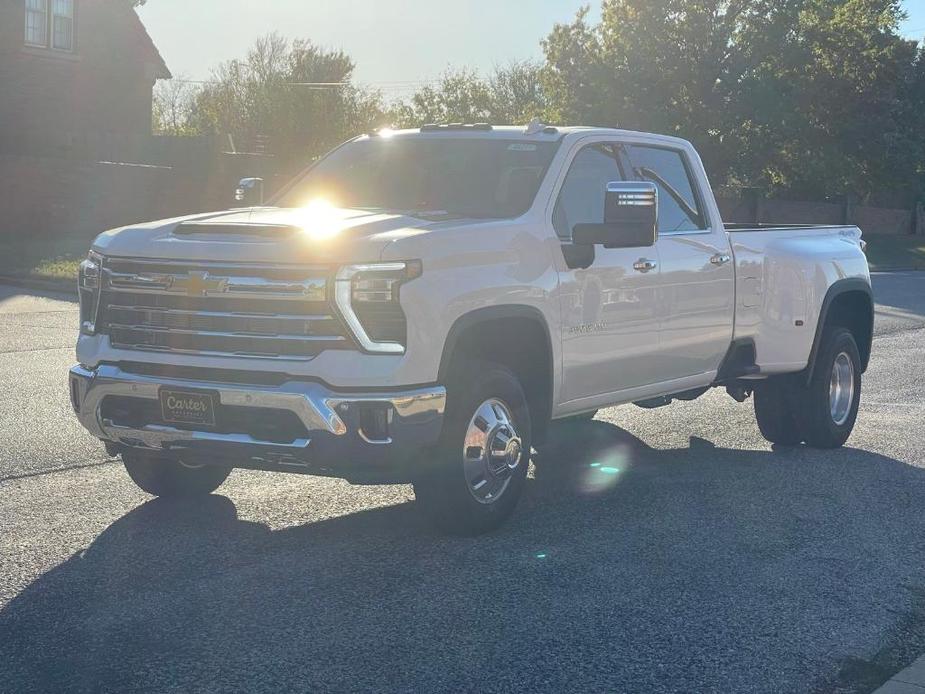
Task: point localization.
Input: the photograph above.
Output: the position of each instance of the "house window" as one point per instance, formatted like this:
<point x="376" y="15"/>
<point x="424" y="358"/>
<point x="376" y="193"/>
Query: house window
<point x="63" y="25"/>
<point x="37" y="22"/>
<point x="61" y="15"/>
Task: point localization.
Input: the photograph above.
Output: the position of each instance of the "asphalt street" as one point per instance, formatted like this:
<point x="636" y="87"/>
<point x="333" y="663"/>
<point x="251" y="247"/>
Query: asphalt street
<point x="669" y="550"/>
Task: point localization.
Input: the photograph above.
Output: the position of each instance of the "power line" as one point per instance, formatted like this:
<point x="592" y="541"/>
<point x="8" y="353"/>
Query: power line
<point x="289" y="84"/>
<point x="393" y="84"/>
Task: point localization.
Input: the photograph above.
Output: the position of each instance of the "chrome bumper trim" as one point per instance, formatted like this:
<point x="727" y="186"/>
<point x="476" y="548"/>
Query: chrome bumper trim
<point x="327" y="414"/>
<point x="158" y="436"/>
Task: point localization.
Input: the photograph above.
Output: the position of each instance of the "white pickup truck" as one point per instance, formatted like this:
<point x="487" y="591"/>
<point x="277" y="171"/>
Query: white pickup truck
<point x="420" y="306"/>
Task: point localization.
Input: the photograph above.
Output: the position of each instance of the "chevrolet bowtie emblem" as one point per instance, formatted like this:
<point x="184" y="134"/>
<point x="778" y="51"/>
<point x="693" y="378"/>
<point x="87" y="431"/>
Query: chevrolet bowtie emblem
<point x="199" y="284"/>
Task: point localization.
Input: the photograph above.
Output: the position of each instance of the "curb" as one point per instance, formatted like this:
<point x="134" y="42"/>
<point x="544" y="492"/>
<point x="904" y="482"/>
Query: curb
<point x="55" y="286"/>
<point x="909" y="681"/>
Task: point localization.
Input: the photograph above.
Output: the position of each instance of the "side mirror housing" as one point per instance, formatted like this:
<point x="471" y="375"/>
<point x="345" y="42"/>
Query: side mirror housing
<point x="630" y="218"/>
<point x="249" y="192"/>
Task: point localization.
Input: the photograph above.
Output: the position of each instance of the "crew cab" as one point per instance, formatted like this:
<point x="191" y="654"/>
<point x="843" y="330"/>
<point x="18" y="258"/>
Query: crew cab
<point x="420" y="306"/>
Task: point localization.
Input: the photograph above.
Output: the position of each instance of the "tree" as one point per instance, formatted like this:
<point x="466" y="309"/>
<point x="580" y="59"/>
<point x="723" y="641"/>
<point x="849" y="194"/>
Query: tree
<point x="792" y="95"/>
<point x="295" y="96"/>
<point x="511" y="94"/>
<point x="174" y="101"/>
<point x="460" y="97"/>
<point x="847" y="69"/>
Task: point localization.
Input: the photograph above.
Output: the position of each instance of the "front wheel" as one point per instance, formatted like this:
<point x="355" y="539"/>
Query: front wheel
<point x="172" y="478"/>
<point x="480" y="469"/>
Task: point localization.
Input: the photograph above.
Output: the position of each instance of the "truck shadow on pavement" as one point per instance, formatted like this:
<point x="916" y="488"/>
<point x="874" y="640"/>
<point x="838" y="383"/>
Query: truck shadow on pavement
<point x="625" y="568"/>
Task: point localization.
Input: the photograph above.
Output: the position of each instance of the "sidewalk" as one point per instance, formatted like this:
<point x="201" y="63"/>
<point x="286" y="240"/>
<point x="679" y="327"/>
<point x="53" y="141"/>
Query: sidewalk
<point x="909" y="681"/>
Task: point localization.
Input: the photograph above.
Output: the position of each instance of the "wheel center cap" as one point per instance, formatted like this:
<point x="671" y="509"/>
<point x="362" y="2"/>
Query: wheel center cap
<point x="507" y="451"/>
<point x="512" y="452"/>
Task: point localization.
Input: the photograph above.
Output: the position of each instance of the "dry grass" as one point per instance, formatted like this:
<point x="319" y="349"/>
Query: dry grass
<point x="887" y="251"/>
<point x="42" y="257"/>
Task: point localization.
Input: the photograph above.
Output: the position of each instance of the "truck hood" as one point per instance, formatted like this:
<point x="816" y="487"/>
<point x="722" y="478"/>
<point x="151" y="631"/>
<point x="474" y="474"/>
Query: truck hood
<point x="266" y="235"/>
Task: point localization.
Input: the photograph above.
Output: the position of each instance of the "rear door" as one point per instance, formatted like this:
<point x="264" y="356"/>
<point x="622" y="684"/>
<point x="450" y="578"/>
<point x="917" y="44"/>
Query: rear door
<point x="609" y="310"/>
<point x="696" y="295"/>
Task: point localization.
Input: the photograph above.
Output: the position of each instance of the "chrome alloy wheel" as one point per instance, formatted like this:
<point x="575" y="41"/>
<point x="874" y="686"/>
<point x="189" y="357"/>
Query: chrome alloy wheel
<point x="841" y="388"/>
<point x="491" y="452"/>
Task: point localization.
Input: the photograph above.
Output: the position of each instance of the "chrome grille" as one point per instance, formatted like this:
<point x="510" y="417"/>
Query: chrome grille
<point x="220" y="309"/>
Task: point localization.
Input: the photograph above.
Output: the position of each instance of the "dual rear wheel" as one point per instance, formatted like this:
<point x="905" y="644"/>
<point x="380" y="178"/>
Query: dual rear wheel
<point x="820" y="411"/>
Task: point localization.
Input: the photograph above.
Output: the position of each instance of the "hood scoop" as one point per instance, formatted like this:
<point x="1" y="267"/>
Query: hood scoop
<point x="237" y="229"/>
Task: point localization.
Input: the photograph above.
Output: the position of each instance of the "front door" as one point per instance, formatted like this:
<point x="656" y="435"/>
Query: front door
<point x="696" y="296"/>
<point x="609" y="310"/>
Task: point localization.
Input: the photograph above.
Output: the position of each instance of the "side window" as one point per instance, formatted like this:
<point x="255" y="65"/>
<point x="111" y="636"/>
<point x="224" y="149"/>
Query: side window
<point x="678" y="206"/>
<point x="581" y="200"/>
<point x="63" y="25"/>
<point x="37" y="23"/>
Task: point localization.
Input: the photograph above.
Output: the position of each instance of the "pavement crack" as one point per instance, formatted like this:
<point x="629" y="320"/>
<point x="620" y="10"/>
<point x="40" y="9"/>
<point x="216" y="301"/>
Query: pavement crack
<point x="66" y="468"/>
<point x="37" y="349"/>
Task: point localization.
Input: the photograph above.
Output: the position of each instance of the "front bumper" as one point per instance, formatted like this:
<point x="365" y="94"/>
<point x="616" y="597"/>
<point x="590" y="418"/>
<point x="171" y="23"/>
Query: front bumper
<point x="332" y="439"/>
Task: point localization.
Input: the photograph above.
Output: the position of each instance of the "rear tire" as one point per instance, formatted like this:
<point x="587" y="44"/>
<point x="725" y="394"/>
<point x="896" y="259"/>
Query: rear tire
<point x="171" y="478"/>
<point x="822" y="412"/>
<point x="831" y="399"/>
<point x="480" y="468"/>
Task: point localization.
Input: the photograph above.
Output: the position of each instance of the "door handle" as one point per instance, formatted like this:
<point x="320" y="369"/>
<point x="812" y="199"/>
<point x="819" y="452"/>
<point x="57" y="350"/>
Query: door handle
<point x="644" y="265"/>
<point x="720" y="259"/>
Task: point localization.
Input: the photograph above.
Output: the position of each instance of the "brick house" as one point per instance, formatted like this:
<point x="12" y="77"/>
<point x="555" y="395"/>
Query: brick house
<point x="73" y="72"/>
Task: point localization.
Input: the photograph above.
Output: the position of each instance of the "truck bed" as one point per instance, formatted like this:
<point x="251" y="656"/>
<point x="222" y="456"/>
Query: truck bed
<point x="782" y="275"/>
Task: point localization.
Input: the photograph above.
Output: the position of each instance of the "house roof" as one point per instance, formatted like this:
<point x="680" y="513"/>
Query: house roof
<point x="146" y="44"/>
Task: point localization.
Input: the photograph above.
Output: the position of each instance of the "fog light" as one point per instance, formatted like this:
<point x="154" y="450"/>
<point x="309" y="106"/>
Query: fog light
<point x="375" y="422"/>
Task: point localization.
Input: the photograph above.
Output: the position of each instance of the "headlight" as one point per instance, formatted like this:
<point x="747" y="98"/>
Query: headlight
<point x="368" y="298"/>
<point x="89" y="280"/>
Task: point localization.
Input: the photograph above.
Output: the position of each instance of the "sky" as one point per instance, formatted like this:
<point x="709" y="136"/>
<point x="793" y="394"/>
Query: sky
<point x="397" y="45"/>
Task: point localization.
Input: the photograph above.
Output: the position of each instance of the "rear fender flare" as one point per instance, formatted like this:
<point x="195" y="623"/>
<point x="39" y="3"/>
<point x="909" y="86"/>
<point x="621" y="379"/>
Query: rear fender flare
<point x="839" y="288"/>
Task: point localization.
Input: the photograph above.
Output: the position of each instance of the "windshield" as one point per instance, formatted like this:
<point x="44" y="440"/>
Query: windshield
<point x="429" y="177"/>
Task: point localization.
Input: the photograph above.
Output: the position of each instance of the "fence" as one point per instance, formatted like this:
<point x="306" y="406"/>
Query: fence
<point x="751" y="209"/>
<point x="66" y="195"/>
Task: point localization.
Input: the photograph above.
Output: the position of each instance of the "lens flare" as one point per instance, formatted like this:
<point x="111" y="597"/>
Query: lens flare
<point x="320" y="219"/>
<point x="605" y="472"/>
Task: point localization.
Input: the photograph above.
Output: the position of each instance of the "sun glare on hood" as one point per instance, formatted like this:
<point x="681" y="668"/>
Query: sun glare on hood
<point x="320" y="219"/>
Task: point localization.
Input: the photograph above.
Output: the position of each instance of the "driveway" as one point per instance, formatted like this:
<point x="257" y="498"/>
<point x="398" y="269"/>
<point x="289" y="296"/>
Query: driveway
<point x="669" y="550"/>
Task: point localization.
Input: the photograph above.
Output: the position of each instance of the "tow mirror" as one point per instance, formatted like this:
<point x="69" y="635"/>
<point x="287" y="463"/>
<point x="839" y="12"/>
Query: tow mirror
<point x="249" y="192"/>
<point x="630" y="218"/>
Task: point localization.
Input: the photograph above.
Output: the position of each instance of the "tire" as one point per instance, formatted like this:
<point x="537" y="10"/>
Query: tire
<point x="775" y="410"/>
<point x="170" y="478"/>
<point x="828" y="413"/>
<point x="468" y="491"/>
<point x="790" y="411"/>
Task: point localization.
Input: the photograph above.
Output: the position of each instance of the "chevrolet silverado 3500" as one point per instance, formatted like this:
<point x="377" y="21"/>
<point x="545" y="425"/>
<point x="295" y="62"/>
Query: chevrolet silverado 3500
<point x="420" y="306"/>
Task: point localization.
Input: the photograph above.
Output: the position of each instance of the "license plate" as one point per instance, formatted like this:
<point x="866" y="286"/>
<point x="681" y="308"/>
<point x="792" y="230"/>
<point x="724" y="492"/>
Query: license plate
<point x="188" y="407"/>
